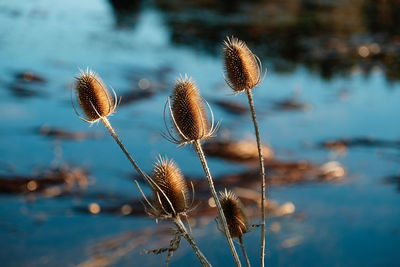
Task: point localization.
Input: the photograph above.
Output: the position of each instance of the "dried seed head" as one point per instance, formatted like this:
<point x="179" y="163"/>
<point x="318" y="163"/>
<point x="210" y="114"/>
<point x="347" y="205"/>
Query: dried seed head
<point x="189" y="111"/>
<point x="93" y="96"/>
<point x="241" y="65"/>
<point x="235" y="217"/>
<point x="170" y="190"/>
<point x="188" y="114"/>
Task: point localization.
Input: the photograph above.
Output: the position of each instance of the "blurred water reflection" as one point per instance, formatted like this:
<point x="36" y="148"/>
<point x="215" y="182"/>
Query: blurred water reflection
<point x="328" y="111"/>
<point x="125" y="12"/>
<point x="326" y="36"/>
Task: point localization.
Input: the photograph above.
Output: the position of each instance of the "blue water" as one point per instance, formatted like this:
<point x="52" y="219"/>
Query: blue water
<point x="350" y="223"/>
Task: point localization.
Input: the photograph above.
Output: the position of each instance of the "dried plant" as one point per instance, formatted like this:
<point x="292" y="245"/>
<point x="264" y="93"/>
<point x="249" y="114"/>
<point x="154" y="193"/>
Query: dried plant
<point x="192" y="121"/>
<point x="192" y="125"/>
<point x="235" y="217"/>
<point x="170" y="201"/>
<point x="244" y="70"/>
<point x="170" y="191"/>
<point x="242" y="67"/>
<point x="97" y="104"/>
<point x="94" y="97"/>
<point x="173" y="246"/>
<point x="168" y="185"/>
<point x="188" y="114"/>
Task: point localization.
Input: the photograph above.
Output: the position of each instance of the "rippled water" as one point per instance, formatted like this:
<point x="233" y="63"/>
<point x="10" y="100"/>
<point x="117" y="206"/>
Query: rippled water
<point x="354" y="222"/>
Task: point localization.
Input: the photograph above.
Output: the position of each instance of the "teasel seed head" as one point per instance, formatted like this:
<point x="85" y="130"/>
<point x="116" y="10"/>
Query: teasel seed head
<point x="242" y="67"/>
<point x="170" y="189"/>
<point x="93" y="96"/>
<point x="188" y="114"/>
<point x="234" y="214"/>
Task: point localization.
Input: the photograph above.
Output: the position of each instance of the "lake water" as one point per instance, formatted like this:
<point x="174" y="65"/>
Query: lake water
<point x="350" y="91"/>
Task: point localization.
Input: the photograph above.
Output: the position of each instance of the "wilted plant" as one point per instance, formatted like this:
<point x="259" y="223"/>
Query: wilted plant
<point x="191" y="124"/>
<point x="235" y="218"/>
<point x="244" y="71"/>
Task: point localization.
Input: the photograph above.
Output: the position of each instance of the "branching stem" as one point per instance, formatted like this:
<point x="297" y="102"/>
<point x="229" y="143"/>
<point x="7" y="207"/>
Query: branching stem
<point x="178" y="222"/>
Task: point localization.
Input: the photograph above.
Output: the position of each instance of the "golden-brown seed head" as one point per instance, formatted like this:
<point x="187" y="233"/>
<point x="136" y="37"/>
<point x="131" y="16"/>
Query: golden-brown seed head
<point x="170" y="192"/>
<point x="93" y="96"/>
<point x="235" y="217"/>
<point x="189" y="112"/>
<point x="241" y="65"/>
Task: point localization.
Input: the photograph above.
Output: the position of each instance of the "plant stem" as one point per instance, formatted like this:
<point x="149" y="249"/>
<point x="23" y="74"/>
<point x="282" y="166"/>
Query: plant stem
<point x="222" y="218"/>
<point x="178" y="222"/>
<point x="107" y="124"/>
<point x="244" y="251"/>
<point x="262" y="172"/>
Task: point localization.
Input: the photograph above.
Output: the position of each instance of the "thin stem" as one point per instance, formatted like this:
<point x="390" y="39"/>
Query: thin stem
<point x="262" y="172"/>
<point x="222" y="218"/>
<point x="178" y="222"/>
<point x="107" y="124"/>
<point x="244" y="251"/>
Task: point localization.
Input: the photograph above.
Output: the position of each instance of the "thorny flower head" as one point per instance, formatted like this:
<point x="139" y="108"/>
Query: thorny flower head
<point x="93" y="96"/>
<point x="170" y="191"/>
<point x="242" y="67"/>
<point x="188" y="114"/>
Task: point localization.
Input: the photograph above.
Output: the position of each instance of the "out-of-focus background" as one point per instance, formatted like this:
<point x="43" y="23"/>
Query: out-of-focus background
<point x="328" y="111"/>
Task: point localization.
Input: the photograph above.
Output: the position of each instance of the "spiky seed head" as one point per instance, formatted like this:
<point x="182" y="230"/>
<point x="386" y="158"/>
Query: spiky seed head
<point x="189" y="112"/>
<point x="241" y="65"/>
<point x="93" y="96"/>
<point x="235" y="217"/>
<point x="171" y="191"/>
